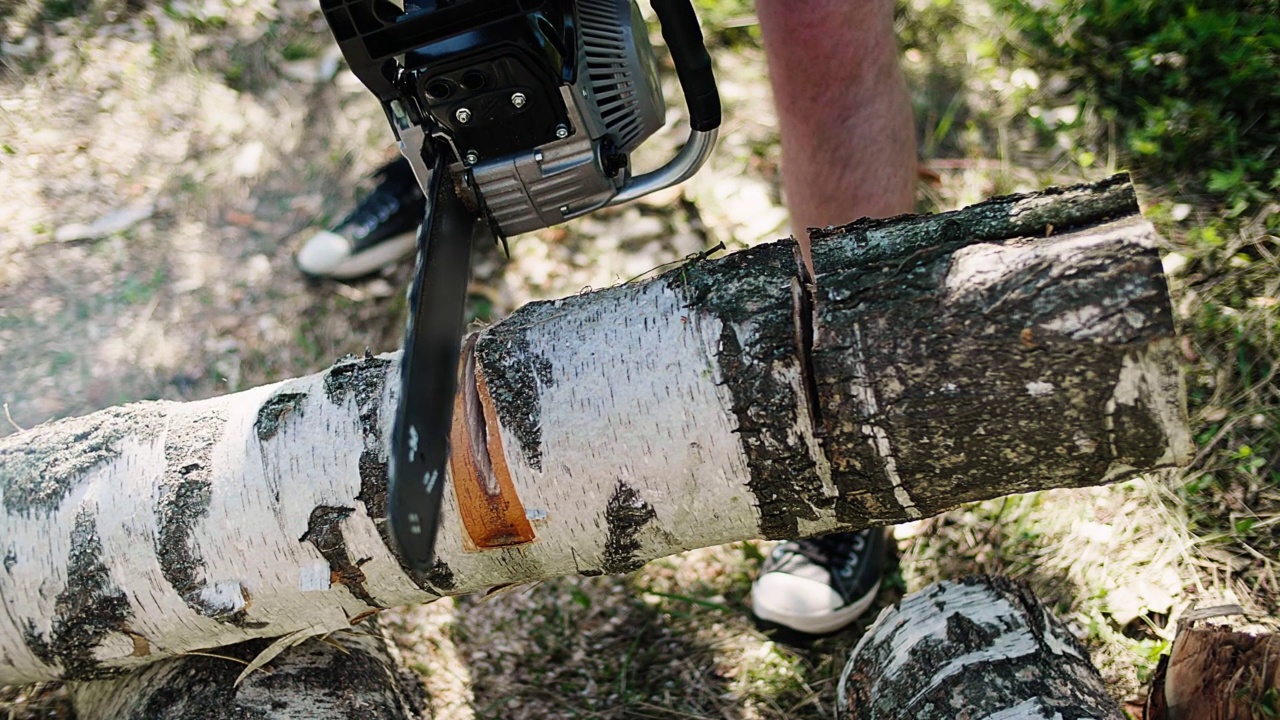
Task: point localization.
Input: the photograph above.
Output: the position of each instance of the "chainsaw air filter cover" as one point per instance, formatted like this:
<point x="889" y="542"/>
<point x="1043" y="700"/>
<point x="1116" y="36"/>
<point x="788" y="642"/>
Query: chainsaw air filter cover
<point x="617" y="74"/>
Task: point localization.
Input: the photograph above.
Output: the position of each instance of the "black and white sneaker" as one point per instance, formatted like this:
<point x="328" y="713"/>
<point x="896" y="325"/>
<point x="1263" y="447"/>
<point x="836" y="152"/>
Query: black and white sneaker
<point x="379" y="231"/>
<point x="820" y="585"/>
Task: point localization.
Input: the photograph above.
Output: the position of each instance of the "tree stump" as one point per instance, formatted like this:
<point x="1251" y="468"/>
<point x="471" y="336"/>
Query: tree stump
<point x="1217" y="673"/>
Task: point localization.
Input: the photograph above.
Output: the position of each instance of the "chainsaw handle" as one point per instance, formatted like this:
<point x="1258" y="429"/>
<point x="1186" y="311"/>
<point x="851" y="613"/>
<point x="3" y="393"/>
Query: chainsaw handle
<point x="683" y="36"/>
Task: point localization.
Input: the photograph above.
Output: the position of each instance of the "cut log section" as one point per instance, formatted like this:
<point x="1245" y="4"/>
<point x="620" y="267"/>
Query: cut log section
<point x="983" y="648"/>
<point x="1217" y="673"/>
<point x="1025" y="343"/>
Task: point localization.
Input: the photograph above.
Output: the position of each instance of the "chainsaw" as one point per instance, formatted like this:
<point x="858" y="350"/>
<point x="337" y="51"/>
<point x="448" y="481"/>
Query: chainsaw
<point x="516" y="115"/>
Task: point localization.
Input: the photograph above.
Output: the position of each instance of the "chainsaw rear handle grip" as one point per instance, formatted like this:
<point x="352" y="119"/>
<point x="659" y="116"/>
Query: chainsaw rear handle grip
<point x="683" y="36"/>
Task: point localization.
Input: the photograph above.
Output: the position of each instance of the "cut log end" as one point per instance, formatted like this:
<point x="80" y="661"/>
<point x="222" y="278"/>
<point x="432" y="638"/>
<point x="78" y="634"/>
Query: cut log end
<point x="1218" y="673"/>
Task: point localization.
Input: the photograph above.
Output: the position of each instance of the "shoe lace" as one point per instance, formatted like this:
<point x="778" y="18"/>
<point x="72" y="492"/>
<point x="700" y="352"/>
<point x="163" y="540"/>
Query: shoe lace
<point x="827" y="550"/>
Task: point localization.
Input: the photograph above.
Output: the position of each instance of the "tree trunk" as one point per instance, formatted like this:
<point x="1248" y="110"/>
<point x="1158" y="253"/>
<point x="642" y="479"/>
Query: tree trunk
<point x="1020" y="344"/>
<point x="980" y="648"/>
<point x="353" y="675"/>
<point x="1217" y="673"/>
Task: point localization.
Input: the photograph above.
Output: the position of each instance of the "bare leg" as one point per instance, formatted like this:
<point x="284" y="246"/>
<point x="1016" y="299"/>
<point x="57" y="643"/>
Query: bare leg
<point x="848" y="140"/>
<point x="848" y="151"/>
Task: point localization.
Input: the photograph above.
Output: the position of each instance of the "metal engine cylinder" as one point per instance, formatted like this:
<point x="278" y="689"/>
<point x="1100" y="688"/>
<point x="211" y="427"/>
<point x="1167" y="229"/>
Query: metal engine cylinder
<point x="614" y="104"/>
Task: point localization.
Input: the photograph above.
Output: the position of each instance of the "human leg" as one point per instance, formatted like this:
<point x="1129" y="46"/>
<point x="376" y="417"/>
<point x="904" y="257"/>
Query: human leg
<point x="844" y="115"/>
<point x="848" y="151"/>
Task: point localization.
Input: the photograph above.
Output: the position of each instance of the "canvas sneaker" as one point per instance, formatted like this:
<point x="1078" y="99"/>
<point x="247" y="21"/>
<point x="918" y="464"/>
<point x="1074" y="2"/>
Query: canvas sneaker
<point x="379" y="231"/>
<point x="820" y="585"/>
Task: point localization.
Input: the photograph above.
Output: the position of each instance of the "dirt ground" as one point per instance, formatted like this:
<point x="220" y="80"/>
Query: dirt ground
<point x="162" y="163"/>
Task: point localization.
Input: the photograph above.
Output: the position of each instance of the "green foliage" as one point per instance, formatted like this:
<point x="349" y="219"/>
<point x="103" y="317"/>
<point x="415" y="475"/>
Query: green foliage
<point x="1193" y="87"/>
<point x="728" y="23"/>
<point x="1269" y="704"/>
<point x="300" y="49"/>
<point x="55" y="10"/>
<point x="1231" y="304"/>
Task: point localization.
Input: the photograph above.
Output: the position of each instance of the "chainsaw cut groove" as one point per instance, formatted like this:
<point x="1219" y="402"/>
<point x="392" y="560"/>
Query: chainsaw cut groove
<point x="761" y="360"/>
<point x="802" y="293"/>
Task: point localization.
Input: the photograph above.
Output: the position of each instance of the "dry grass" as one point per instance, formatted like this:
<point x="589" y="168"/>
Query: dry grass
<point x="220" y="119"/>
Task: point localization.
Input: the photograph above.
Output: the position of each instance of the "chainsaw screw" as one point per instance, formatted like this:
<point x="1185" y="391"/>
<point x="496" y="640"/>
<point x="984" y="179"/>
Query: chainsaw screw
<point x="471" y="158"/>
<point x="518" y="99"/>
<point x="562" y="132"/>
<point x="537" y="156"/>
<point x="463" y="115"/>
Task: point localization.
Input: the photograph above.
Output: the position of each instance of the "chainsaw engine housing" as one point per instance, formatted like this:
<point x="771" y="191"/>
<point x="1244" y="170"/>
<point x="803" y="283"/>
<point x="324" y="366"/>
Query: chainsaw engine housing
<point x="539" y="102"/>
<point x="527" y="174"/>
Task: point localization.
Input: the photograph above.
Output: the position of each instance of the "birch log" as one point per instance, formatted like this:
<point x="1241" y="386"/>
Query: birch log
<point x="351" y="675"/>
<point x="984" y="647"/>
<point x="1023" y="343"/>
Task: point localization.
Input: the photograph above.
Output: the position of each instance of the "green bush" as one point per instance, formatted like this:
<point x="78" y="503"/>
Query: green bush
<point x="1194" y="88"/>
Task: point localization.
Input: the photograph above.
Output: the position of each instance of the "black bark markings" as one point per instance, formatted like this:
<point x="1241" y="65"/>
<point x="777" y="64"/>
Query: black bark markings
<point x="272" y="416"/>
<point x="275" y="411"/>
<point x="440" y="578"/>
<point x="186" y="494"/>
<point x="514" y="375"/>
<point x="1062" y="685"/>
<point x="352" y="684"/>
<point x="932" y="388"/>
<point x="324" y="532"/>
<point x="365" y="379"/>
<point x="89" y="608"/>
<point x="626" y="514"/>
<point x="39" y="467"/>
<point x="783" y="474"/>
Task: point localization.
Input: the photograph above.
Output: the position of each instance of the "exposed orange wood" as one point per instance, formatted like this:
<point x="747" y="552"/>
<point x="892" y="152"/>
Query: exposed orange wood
<point x="491" y="519"/>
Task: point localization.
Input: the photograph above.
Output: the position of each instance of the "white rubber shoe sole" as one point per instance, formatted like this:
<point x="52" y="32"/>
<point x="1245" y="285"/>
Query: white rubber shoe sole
<point x="805" y="605"/>
<point x="328" y="254"/>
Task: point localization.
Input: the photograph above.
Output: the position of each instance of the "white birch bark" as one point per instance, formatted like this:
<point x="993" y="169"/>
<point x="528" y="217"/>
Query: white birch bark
<point x="725" y="400"/>
<point x="979" y="648"/>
